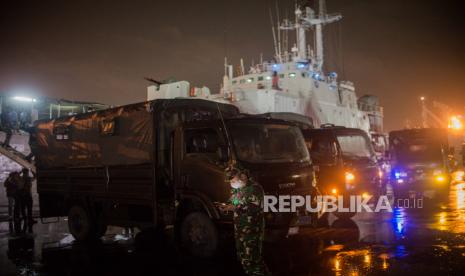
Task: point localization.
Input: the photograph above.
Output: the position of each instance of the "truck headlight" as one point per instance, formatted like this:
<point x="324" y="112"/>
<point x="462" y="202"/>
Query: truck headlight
<point x="350" y="177"/>
<point x="400" y="174"/>
<point x="440" y="178"/>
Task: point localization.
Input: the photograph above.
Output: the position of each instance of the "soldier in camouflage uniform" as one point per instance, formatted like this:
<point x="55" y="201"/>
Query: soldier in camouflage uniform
<point x="249" y="222"/>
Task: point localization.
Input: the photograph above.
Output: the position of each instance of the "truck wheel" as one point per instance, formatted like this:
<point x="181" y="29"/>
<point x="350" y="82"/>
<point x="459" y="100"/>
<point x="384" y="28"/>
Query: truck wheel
<point x="199" y="235"/>
<point x="80" y="224"/>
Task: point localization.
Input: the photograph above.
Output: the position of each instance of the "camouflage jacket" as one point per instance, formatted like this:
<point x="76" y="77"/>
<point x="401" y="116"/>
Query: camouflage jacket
<point x="247" y="201"/>
<point x="248" y="208"/>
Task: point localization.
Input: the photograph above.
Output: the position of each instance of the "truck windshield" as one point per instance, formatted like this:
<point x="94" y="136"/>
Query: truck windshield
<point x="355" y="146"/>
<point x="268" y="143"/>
<point x="419" y="152"/>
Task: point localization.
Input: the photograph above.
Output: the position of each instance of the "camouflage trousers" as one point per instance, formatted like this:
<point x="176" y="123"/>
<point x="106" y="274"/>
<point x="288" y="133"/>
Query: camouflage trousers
<point x="249" y="248"/>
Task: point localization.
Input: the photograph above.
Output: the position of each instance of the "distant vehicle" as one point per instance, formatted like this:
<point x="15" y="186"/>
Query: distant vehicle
<point x="162" y="164"/>
<point x="345" y="162"/>
<point x="421" y="161"/>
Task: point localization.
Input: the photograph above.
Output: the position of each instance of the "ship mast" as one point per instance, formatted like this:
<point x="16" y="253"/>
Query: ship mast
<point x="309" y="20"/>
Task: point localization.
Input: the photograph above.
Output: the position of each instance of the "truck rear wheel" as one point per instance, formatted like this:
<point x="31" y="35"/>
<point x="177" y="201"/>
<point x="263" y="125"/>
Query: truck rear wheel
<point x="80" y="224"/>
<point x="199" y="235"/>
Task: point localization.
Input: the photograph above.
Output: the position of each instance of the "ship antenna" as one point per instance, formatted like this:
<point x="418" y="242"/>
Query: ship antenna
<point x="225" y="66"/>
<point x="228" y="140"/>
<point x="274" y="35"/>
<point x="279" y="32"/>
<point x="286" y="33"/>
<point x="225" y="33"/>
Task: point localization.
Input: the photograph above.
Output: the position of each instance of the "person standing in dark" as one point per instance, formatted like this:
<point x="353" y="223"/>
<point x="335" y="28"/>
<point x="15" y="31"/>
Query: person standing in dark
<point x="23" y="120"/>
<point x="18" y="183"/>
<point x="11" y="190"/>
<point x="275" y="81"/>
<point x="13" y="119"/>
<point x="249" y="222"/>
<point x="26" y="200"/>
<point x="6" y="127"/>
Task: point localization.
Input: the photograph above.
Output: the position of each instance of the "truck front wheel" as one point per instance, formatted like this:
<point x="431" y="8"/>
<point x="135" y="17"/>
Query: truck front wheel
<point x="80" y="224"/>
<point x="199" y="235"/>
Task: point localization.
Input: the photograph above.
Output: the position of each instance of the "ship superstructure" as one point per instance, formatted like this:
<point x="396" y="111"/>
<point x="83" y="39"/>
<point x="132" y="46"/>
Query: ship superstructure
<point x="295" y="80"/>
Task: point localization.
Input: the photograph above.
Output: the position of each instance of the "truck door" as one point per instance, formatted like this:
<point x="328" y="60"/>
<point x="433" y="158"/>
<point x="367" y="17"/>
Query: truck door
<point x="196" y="165"/>
<point x="324" y="154"/>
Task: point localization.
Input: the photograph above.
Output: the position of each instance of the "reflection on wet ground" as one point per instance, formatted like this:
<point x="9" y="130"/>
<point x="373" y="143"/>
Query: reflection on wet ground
<point x="427" y="241"/>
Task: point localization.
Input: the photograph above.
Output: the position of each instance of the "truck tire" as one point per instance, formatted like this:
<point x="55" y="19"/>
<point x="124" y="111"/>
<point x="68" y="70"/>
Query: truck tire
<point x="199" y="235"/>
<point x="80" y="224"/>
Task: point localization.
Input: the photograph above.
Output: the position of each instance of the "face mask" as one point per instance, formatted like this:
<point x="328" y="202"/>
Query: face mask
<point x="237" y="183"/>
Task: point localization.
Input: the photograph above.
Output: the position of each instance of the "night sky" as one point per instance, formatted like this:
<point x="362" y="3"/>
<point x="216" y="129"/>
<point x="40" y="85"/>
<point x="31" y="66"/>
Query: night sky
<point x="81" y="50"/>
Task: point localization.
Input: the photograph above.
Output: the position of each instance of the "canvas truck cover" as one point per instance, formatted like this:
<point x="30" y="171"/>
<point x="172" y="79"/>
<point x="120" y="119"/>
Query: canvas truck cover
<point x="118" y="136"/>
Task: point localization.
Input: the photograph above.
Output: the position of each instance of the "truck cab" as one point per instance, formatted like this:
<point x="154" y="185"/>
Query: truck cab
<point x="344" y="161"/>
<point x="273" y="151"/>
<point x="421" y="161"/>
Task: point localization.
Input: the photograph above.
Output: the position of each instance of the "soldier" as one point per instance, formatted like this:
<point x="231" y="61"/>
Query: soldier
<point x="18" y="183"/>
<point x="26" y="200"/>
<point x="11" y="189"/>
<point x="249" y="222"/>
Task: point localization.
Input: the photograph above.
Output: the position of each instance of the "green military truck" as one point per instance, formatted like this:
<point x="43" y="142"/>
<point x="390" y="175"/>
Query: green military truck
<point x="162" y="164"/>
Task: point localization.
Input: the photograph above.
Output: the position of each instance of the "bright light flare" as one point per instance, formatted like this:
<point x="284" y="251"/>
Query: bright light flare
<point x="459" y="176"/>
<point x="442" y="218"/>
<point x="334" y="191"/>
<point x="380" y="173"/>
<point x="349" y="176"/>
<point x="367" y="259"/>
<point x="24" y="99"/>
<point x="337" y="265"/>
<point x="440" y="178"/>
<point x="455" y="123"/>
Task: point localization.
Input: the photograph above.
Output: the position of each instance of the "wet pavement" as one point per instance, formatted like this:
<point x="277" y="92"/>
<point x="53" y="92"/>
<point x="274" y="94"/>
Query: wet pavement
<point x="422" y="241"/>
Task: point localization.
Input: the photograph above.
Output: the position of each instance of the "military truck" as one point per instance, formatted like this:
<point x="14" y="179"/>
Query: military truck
<point x="421" y="162"/>
<point x="161" y="164"/>
<point x="345" y="162"/>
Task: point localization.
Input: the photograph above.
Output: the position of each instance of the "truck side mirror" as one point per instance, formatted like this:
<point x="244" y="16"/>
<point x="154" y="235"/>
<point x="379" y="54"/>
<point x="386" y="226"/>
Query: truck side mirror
<point x="223" y="153"/>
